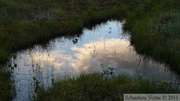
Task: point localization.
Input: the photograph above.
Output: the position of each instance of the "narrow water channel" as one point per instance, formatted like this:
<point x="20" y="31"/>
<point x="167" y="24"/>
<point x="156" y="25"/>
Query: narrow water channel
<point x="103" y="46"/>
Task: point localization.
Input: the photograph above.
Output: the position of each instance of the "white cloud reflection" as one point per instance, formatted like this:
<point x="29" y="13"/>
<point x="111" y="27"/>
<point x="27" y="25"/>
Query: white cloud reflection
<point x="88" y="57"/>
<point x="104" y="44"/>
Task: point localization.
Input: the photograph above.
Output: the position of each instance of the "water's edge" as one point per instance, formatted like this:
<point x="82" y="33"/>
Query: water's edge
<point x="103" y="47"/>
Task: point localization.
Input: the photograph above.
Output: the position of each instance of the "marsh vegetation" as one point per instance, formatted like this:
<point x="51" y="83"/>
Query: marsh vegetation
<point x="153" y="25"/>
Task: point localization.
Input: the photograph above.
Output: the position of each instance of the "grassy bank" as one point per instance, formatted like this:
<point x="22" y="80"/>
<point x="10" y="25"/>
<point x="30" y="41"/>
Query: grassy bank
<point x="155" y="31"/>
<point x="25" y="23"/>
<point x="94" y="87"/>
<point x="153" y="25"/>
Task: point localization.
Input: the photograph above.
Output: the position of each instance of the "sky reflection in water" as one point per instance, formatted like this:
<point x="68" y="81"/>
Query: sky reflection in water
<point x="104" y="45"/>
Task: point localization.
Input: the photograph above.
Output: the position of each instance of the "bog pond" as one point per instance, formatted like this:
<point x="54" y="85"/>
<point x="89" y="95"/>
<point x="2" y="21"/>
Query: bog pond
<point x="97" y="49"/>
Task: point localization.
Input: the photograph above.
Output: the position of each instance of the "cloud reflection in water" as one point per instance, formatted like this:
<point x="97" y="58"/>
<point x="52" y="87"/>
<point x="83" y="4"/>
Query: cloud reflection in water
<point x="116" y="53"/>
<point x="104" y="44"/>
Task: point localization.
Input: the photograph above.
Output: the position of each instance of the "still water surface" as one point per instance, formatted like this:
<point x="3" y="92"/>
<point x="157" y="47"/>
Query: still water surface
<point x="103" y="46"/>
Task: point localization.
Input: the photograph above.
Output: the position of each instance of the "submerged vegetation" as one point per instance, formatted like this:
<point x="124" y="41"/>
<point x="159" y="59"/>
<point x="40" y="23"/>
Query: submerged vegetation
<point x="153" y="25"/>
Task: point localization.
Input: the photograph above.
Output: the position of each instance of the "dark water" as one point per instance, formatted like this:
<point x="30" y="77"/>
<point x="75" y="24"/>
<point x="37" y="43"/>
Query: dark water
<point x="95" y="50"/>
